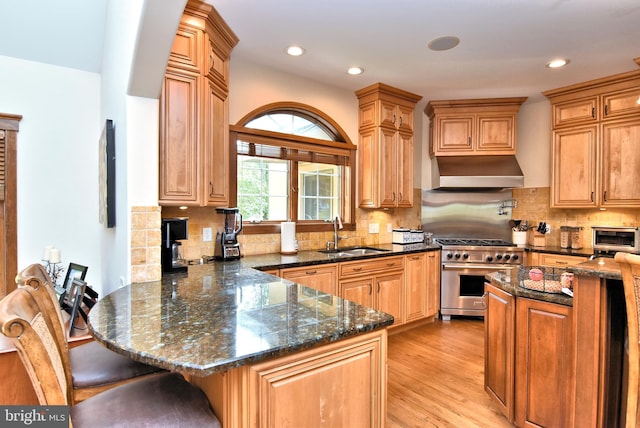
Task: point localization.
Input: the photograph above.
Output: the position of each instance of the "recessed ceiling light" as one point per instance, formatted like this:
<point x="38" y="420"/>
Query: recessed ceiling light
<point x="354" y="71"/>
<point x="443" y="43"/>
<point x="295" y="50"/>
<point x="557" y="63"/>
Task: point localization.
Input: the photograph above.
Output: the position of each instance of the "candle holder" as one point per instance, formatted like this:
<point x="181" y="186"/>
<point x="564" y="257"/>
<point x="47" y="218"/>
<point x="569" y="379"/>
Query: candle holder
<point x="54" y="270"/>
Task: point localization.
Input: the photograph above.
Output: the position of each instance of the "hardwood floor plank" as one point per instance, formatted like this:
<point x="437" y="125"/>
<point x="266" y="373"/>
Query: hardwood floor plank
<point x="436" y="377"/>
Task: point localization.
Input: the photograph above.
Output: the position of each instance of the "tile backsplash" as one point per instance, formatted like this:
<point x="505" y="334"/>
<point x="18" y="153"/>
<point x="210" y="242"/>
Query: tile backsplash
<point x="533" y="205"/>
<point x="200" y="218"/>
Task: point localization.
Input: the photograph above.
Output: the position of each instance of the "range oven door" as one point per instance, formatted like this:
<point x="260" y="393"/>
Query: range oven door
<point x="462" y="288"/>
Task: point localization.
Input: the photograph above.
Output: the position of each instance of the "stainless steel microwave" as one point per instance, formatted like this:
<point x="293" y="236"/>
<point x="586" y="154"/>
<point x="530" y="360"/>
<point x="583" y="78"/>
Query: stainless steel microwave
<point x="611" y="239"/>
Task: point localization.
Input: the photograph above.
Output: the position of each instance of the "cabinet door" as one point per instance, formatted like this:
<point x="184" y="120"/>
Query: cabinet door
<point x="499" y="323"/>
<point x="621" y="164"/>
<point x="583" y="110"/>
<point x="323" y="278"/>
<point x="388" y="178"/>
<point x="179" y="136"/>
<point x="405" y="119"/>
<point x="215" y="146"/>
<point x="368" y="171"/>
<point x="621" y="103"/>
<point x="544" y="368"/>
<point x="453" y="134"/>
<point x="358" y="291"/>
<point x="573" y="173"/>
<point x="389" y="291"/>
<point x="416" y="281"/>
<point x="404" y="171"/>
<point x="496" y="133"/>
<point x="433" y="283"/>
<point x="186" y="49"/>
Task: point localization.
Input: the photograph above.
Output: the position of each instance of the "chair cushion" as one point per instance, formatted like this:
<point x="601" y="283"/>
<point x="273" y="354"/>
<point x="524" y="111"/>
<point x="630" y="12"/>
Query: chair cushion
<point x="166" y="400"/>
<point x="94" y="365"/>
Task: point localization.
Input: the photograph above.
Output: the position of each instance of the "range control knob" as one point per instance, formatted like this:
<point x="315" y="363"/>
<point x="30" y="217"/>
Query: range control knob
<point x="498" y="256"/>
<point x="457" y="255"/>
<point x="449" y="255"/>
<point x="489" y="258"/>
<point x="465" y="256"/>
<point x="506" y="257"/>
<point x="515" y="257"/>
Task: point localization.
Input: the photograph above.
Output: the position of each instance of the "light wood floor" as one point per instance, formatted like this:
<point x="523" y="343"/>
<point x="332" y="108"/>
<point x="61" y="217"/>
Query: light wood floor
<point x="436" y="377"/>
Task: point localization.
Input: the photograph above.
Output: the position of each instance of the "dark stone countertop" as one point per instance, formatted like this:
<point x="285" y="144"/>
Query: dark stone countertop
<point x="601" y="267"/>
<point x="228" y="314"/>
<point x="581" y="252"/>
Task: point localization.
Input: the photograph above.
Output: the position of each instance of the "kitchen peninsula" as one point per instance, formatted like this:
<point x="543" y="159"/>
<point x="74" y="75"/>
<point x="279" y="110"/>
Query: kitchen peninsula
<point x="263" y="349"/>
<point x="533" y="337"/>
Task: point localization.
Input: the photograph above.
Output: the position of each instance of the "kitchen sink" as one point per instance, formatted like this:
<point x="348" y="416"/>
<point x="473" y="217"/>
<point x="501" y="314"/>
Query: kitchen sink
<point x="354" y="251"/>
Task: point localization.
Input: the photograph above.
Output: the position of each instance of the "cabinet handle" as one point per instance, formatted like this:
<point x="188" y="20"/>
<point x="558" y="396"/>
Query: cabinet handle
<point x="391" y="264"/>
<point x="393" y="199"/>
<point x="560" y="262"/>
<point x="400" y="198"/>
<point x="469" y="139"/>
<point x="378" y="286"/>
<point x="593" y="112"/>
<point x="311" y="272"/>
<point x="358" y="269"/>
<point x="415" y="258"/>
<point x="606" y="110"/>
<point x="604" y="196"/>
<point x="591" y="196"/>
<point x="400" y="122"/>
<point x="370" y="289"/>
<point x="393" y="119"/>
<point x="211" y="188"/>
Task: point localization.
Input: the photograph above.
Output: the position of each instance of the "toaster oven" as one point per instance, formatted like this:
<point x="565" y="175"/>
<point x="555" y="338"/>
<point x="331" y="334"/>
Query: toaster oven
<point x="608" y="240"/>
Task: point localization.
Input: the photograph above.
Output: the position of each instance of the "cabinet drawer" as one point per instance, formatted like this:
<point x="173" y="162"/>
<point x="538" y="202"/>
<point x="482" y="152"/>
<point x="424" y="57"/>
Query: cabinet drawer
<point x="366" y="267"/>
<point x="621" y="103"/>
<point x="559" y="260"/>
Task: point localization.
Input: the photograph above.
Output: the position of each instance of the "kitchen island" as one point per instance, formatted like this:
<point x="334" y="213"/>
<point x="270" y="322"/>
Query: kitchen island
<point x="265" y="350"/>
<point x="534" y="337"/>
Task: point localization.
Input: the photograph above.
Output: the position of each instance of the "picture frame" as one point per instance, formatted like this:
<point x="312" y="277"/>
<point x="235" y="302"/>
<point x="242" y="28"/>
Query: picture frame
<point x="107" y="176"/>
<point x="73" y="301"/>
<point x="74" y="271"/>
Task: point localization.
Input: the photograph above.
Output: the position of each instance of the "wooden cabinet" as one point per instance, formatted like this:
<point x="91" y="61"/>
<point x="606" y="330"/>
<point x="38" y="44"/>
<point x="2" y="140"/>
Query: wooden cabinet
<point x="544" y="364"/>
<point x="342" y="384"/>
<point x="473" y="127"/>
<point x="499" y="345"/>
<point x="529" y="359"/>
<point x="553" y="260"/>
<point x="321" y="277"/>
<point x="422" y="285"/>
<point x="377" y="283"/>
<point x="194" y="123"/>
<point x="596" y="135"/>
<point x="9" y="126"/>
<point x="385" y="148"/>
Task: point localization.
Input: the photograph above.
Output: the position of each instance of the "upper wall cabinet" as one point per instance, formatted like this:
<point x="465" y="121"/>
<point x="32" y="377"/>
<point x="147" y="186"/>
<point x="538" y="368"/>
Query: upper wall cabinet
<point x="596" y="143"/>
<point x="385" y="147"/>
<point x="194" y="111"/>
<point x="473" y="127"/>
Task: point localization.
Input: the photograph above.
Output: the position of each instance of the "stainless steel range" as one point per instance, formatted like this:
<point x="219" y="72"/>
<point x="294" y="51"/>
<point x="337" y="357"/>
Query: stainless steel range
<point x="465" y="262"/>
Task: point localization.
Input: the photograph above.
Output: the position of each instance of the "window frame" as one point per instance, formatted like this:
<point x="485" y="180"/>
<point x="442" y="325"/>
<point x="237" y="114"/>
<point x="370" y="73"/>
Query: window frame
<point x="341" y="146"/>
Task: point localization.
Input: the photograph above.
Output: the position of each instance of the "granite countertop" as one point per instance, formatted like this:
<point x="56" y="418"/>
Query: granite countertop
<point x="581" y="252"/>
<point x="226" y="314"/>
<point x="601" y="267"/>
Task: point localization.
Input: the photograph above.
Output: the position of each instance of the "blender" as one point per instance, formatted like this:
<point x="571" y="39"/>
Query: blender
<point x="227" y="246"/>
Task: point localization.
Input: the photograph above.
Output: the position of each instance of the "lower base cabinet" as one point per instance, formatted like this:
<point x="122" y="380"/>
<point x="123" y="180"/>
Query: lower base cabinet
<point x="323" y="277"/>
<point x="342" y="384"/>
<point x="529" y="359"/>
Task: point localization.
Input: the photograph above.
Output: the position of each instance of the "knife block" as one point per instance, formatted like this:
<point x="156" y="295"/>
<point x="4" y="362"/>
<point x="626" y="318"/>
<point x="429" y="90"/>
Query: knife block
<point x="537" y="239"/>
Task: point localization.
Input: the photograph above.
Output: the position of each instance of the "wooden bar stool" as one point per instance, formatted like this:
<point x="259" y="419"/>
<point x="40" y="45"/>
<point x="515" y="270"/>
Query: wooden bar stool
<point x="163" y="400"/>
<point x="630" y="268"/>
<point x="90" y="368"/>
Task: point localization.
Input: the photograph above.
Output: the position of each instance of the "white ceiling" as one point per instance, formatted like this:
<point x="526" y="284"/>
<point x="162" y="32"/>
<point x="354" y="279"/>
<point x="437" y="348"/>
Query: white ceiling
<point x="504" y="46"/>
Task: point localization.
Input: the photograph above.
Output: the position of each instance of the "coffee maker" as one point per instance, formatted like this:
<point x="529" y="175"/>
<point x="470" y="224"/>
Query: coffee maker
<point x="227" y="246"/>
<point x="173" y="229"/>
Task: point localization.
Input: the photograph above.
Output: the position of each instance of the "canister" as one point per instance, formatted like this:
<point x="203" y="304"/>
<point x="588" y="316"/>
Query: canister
<point x="565" y="237"/>
<point x="576" y="237"/>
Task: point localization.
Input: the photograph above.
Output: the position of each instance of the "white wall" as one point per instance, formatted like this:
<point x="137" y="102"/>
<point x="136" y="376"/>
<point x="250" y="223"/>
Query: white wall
<point x="57" y="160"/>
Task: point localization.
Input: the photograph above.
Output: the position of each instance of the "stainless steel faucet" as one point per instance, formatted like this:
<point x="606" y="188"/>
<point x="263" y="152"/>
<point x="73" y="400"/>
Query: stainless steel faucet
<point x="337" y="224"/>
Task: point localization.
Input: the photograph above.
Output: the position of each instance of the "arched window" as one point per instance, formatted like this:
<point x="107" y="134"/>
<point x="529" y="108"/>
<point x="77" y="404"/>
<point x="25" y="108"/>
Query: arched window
<point x="293" y="163"/>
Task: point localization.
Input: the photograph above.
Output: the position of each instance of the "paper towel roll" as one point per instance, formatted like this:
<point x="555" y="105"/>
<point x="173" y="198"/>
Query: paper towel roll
<point x="288" y="237"/>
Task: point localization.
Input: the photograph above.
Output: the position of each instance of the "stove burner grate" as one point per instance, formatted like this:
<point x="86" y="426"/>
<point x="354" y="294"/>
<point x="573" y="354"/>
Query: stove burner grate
<point x="474" y="242"/>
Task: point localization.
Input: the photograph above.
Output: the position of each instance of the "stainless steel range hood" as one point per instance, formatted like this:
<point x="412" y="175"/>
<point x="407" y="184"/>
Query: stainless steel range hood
<point x="476" y="172"/>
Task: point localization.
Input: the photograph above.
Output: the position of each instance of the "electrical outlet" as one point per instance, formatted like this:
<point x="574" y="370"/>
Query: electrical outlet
<point x="374" y="228"/>
<point x="389" y="227"/>
<point x="206" y="234"/>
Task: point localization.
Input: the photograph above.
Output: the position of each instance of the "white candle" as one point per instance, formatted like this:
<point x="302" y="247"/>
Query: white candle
<point x="47" y="253"/>
<point x="55" y="255"/>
